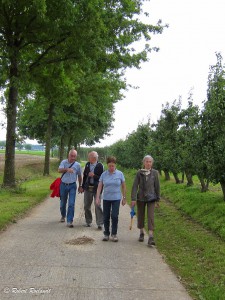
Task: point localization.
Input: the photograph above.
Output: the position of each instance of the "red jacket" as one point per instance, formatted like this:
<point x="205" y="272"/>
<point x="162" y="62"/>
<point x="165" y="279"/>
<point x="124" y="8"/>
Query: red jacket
<point x="55" y="186"/>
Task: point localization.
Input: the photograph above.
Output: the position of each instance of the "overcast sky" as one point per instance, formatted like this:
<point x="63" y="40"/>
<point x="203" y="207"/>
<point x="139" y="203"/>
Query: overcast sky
<point x="187" y="49"/>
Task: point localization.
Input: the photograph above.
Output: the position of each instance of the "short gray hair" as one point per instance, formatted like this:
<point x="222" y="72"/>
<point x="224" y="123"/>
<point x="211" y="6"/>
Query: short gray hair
<point x="94" y="154"/>
<point x="148" y="157"/>
<point x="73" y="151"/>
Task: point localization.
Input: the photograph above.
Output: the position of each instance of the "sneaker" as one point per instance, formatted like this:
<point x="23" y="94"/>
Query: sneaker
<point x="141" y="237"/>
<point x="70" y="225"/>
<point x="87" y="225"/>
<point x="114" y="238"/>
<point x="62" y="220"/>
<point x="99" y="227"/>
<point x="105" y="238"/>
<point x="151" y="241"/>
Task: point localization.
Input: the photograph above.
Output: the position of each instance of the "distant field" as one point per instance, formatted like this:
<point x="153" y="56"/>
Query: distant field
<point x="29" y="152"/>
<point x="22" y="160"/>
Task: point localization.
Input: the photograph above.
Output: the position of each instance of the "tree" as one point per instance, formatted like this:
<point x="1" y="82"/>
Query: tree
<point x="166" y="140"/>
<point x="189" y="119"/>
<point x="37" y="33"/>
<point x="213" y="124"/>
<point x="130" y="153"/>
<point x="2" y="143"/>
<point x="85" y="116"/>
<point x="28" y="146"/>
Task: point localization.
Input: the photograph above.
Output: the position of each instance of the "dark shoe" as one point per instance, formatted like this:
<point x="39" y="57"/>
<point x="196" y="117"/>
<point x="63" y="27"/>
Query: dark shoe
<point x="151" y="241"/>
<point x="99" y="227"/>
<point x="70" y="225"/>
<point x="105" y="238"/>
<point x="62" y="220"/>
<point x="87" y="225"/>
<point x="141" y="237"/>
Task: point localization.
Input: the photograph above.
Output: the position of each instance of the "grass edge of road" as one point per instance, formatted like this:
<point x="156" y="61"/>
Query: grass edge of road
<point x="32" y="188"/>
<point x="195" y="253"/>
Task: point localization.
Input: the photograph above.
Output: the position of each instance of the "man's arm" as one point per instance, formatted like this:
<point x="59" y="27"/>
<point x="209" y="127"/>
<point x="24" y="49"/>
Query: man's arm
<point x="80" y="189"/>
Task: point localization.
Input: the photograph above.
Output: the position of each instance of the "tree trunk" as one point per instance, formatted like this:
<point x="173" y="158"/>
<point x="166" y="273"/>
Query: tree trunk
<point x="11" y="107"/>
<point x="182" y="180"/>
<point x="189" y="178"/>
<point x="176" y="178"/>
<point x="62" y="148"/>
<point x="204" y="185"/>
<point x="167" y="175"/>
<point x="69" y="145"/>
<point x="207" y="184"/>
<point x="222" y="183"/>
<point x="48" y="139"/>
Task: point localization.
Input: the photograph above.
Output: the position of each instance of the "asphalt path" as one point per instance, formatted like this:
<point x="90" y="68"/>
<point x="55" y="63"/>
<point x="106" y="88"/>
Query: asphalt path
<point x="41" y="258"/>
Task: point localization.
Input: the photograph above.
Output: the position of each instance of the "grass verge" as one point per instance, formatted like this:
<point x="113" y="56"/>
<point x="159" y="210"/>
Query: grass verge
<point x="32" y="189"/>
<point x="194" y="253"/>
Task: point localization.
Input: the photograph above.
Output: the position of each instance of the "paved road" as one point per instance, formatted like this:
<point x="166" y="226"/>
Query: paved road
<point x="38" y="259"/>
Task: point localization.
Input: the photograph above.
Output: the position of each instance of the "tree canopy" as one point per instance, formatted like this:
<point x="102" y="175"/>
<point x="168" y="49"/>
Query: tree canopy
<point x="77" y="37"/>
<point x="184" y="140"/>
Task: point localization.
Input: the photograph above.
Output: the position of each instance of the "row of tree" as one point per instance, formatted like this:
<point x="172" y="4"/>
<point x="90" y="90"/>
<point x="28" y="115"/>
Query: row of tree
<point x="18" y="146"/>
<point x="186" y="141"/>
<point x="62" y="69"/>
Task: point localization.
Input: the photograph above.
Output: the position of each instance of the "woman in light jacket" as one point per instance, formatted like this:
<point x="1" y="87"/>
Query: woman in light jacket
<point x="146" y="193"/>
<point x="112" y="182"/>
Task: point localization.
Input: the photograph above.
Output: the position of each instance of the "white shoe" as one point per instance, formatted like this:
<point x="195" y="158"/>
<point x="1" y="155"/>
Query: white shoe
<point x="114" y="238"/>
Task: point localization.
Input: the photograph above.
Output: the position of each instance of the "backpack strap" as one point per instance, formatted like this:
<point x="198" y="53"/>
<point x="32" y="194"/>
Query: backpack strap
<point x="69" y="167"/>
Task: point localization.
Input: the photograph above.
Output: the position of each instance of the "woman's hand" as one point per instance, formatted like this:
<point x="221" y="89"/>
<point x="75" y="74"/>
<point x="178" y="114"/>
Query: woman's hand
<point x="98" y="194"/>
<point x="124" y="201"/>
<point x="133" y="203"/>
<point x="157" y="204"/>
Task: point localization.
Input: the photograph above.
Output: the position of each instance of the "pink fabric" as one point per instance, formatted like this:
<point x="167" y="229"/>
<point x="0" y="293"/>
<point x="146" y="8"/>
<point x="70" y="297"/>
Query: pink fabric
<point x="55" y="186"/>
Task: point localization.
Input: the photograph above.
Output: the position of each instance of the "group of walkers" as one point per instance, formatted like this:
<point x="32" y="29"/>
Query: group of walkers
<point x="108" y="186"/>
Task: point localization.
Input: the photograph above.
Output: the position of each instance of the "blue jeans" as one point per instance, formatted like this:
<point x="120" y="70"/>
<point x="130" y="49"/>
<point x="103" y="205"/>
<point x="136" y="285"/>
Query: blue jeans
<point x="65" y="191"/>
<point x="111" y="207"/>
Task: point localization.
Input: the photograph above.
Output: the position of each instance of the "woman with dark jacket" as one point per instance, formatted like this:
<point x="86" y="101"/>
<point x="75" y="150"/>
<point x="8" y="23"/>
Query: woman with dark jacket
<point x="146" y="193"/>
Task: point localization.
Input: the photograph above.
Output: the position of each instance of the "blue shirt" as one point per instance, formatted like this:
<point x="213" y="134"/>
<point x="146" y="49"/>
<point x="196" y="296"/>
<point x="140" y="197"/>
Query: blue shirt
<point x="70" y="177"/>
<point x="112" y="184"/>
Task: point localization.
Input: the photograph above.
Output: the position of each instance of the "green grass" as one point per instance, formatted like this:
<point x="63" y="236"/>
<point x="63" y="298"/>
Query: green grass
<point x="207" y="208"/>
<point x="195" y="254"/>
<point x="13" y="204"/>
<point x="189" y="234"/>
<point x="32" y="189"/>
